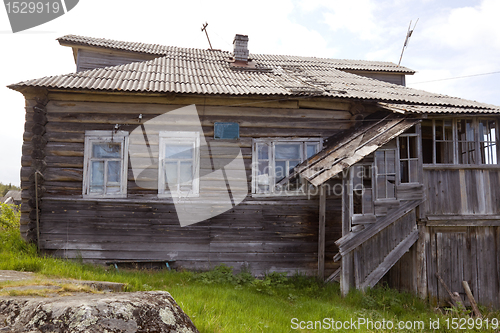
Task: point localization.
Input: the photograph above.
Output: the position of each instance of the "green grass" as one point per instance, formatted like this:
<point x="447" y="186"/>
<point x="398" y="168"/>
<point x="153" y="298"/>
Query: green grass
<point x="219" y="301"/>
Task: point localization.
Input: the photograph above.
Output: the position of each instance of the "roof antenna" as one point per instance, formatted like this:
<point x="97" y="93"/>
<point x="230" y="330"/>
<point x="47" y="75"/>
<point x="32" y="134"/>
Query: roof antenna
<point x="204" y="28"/>
<point x="408" y="35"/>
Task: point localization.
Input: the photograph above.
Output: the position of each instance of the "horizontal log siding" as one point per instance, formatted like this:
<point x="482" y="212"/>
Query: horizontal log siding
<point x="266" y="234"/>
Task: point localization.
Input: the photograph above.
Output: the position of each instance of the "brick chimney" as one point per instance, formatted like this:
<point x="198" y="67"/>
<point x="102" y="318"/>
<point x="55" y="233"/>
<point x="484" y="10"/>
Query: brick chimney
<point x="241" y="48"/>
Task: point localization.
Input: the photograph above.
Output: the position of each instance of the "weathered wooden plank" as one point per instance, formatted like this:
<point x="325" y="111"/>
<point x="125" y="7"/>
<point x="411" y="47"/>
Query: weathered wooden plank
<point x="390" y="260"/>
<point x="347" y="245"/>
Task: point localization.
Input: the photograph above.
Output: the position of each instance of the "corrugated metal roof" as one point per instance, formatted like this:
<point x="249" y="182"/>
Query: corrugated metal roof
<point x="268" y="60"/>
<point x="191" y="71"/>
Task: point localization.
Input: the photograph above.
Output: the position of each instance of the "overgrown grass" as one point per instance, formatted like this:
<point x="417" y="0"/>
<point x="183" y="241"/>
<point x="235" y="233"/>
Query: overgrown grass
<point x="220" y="301"/>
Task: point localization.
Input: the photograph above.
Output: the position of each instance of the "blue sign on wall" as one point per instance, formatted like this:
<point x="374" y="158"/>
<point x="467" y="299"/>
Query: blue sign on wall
<point x="228" y="131"/>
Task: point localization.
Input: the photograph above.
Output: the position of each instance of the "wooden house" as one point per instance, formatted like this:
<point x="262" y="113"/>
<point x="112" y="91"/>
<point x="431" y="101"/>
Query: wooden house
<point x="348" y="173"/>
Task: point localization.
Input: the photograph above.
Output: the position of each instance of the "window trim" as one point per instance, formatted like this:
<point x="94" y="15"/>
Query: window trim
<point x="92" y="137"/>
<point x="184" y="137"/>
<point x="271" y="144"/>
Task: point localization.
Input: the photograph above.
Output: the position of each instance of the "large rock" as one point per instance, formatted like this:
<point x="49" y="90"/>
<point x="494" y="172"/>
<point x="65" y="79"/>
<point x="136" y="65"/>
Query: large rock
<point x="153" y="311"/>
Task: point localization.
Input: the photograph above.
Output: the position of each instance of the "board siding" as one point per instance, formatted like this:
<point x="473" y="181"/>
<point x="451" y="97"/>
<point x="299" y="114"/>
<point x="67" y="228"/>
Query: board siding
<point x="262" y="233"/>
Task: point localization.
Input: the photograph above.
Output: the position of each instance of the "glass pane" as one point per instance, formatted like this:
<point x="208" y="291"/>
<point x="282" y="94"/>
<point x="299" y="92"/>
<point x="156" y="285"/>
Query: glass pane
<point x="488" y="153"/>
<point x="380" y="162"/>
<point x="414" y="171"/>
<point x="367" y="177"/>
<point x="311" y="149"/>
<point x="356" y="198"/>
<point x="186" y="172"/>
<point x="367" y="201"/>
<point x="403" y="147"/>
<point x="427" y="142"/>
<point x="263" y="173"/>
<point x="391" y="187"/>
<point x="487" y="130"/>
<point x="179" y="151"/>
<point x="405" y="172"/>
<point x="292" y="164"/>
<point x="466" y="152"/>
<point x="381" y="187"/>
<point x="287" y="151"/>
<point x="106" y="150"/>
<point x="171" y="175"/>
<point x="444" y="152"/>
<point x="391" y="161"/>
<point x="448" y="130"/>
<point x="413" y="146"/>
<point x="465" y="131"/>
<point x="439" y="130"/>
<point x="112" y="189"/>
<point x="97" y="177"/>
<point x="280" y="170"/>
<point x="263" y="189"/>
<point x="114" y="171"/>
<point x="262" y="152"/>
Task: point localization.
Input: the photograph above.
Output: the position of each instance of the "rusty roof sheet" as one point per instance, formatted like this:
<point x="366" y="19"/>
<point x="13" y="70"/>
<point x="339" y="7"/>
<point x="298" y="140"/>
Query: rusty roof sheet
<point x="270" y="60"/>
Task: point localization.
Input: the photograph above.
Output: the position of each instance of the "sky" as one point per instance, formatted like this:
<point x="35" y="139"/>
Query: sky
<point x="454" y="44"/>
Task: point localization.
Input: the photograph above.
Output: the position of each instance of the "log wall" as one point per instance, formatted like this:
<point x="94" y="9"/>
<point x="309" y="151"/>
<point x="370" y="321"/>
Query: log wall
<point x="263" y="233"/>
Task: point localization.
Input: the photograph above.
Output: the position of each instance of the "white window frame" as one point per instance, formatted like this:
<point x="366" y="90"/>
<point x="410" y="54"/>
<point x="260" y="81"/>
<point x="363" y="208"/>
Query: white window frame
<point x="92" y="137"/>
<point x="376" y="174"/>
<point x="409" y="159"/>
<point x="271" y="142"/>
<point x="182" y="138"/>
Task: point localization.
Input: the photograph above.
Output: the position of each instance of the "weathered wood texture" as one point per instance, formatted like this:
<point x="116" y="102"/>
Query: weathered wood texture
<point x="266" y="234"/>
<point x="90" y="59"/>
<point x="460" y="254"/>
<point x="462" y="192"/>
<point x="372" y="254"/>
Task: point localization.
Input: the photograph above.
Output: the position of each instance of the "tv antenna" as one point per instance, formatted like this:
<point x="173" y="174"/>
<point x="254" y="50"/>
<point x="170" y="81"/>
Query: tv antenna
<point x="204" y="28"/>
<point x="408" y="35"/>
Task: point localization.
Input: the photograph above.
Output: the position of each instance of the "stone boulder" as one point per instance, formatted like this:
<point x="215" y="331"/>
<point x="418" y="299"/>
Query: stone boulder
<point x="152" y="311"/>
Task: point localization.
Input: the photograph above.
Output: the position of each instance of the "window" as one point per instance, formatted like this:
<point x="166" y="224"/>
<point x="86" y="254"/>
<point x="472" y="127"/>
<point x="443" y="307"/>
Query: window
<point x="105" y="164"/>
<point x="460" y="141"/>
<point x="178" y="171"/>
<point x="385" y="162"/>
<point x="274" y="159"/>
<point x="408" y="158"/>
<point x="362" y="189"/>
<point x="487" y="142"/>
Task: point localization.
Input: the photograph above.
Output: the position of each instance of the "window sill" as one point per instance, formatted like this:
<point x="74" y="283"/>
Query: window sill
<point x="285" y="195"/>
<point x="104" y="196"/>
<point x="461" y="166"/>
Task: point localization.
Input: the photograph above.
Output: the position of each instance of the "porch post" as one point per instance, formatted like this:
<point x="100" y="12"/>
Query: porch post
<point x="321" y="232"/>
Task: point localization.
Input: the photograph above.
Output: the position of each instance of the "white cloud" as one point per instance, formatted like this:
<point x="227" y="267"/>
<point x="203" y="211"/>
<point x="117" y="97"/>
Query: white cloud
<point x="355" y="16"/>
